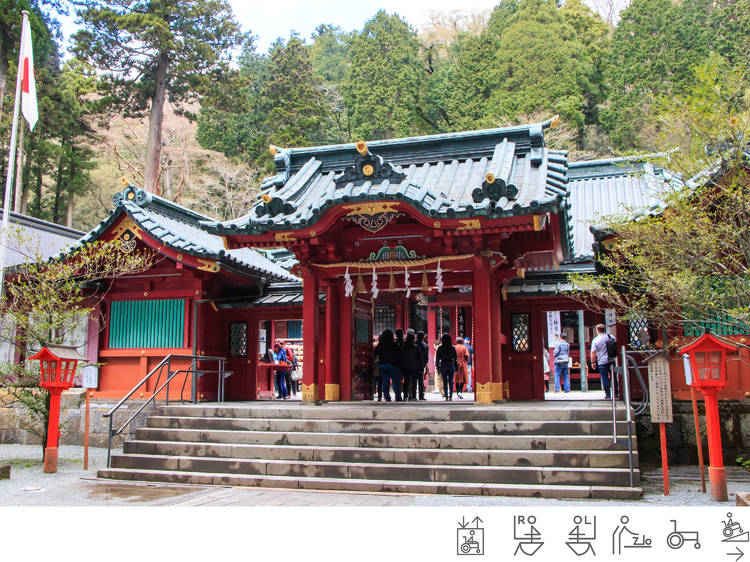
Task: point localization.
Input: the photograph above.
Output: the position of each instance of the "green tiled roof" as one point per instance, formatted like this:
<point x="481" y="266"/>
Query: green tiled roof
<point x="179" y="228"/>
<point x="441" y="176"/>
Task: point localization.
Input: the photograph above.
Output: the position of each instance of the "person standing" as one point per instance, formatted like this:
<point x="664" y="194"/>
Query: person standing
<point x="603" y="361"/>
<point x="438" y="377"/>
<point x="400" y="345"/>
<point x="425" y="349"/>
<point x="467" y="343"/>
<point x="291" y="386"/>
<point x="545" y="362"/>
<point x="446" y="361"/>
<point x="280" y="359"/>
<point x="378" y="381"/>
<point x="388" y="355"/>
<point x="562" y="358"/>
<point x="413" y="365"/>
<point x="462" y="370"/>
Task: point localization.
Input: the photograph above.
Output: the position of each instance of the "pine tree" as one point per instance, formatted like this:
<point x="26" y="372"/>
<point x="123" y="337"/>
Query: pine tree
<point x="154" y="51"/>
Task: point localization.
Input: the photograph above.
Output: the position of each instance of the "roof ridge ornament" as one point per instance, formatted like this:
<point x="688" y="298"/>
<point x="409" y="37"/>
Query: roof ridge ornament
<point x="368" y="167"/>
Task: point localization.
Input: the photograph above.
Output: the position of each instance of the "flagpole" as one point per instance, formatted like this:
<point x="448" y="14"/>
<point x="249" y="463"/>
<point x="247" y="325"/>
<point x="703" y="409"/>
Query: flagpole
<point x="11" y="163"/>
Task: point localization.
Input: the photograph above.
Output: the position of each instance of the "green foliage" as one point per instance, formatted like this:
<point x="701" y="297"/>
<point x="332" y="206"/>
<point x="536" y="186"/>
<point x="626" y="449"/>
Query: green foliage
<point x="385" y="80"/>
<point x="690" y="262"/>
<point x="46" y="301"/>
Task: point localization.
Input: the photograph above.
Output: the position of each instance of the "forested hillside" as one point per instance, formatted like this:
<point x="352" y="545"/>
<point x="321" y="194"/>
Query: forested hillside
<point x="224" y="102"/>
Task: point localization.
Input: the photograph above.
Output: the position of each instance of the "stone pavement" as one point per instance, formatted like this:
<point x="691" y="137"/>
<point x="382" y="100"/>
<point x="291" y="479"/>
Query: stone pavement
<point x="71" y="486"/>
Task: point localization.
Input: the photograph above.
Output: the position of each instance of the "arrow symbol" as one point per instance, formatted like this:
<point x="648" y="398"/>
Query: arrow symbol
<point x="739" y="554"/>
<point x="476" y="522"/>
<point x="464" y="523"/>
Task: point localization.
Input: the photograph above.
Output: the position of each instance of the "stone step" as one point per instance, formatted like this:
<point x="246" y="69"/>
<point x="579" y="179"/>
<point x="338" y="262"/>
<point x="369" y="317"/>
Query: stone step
<point x="382" y="471"/>
<point x="404" y="412"/>
<point x="391" y="427"/>
<point x="417" y="441"/>
<point x="473" y="457"/>
<point x="386" y="486"/>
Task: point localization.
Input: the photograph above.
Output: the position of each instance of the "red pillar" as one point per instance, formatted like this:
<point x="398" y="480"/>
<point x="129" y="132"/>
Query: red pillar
<point x="311" y="390"/>
<point x="344" y="350"/>
<point x="495" y="333"/>
<point x="432" y="334"/>
<point x="331" y="384"/>
<point x="481" y="301"/>
<point x="717" y="475"/>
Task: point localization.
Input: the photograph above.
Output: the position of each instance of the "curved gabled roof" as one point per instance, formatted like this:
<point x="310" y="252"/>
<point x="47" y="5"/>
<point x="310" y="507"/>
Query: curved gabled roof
<point x="493" y="173"/>
<point x="179" y="228"/>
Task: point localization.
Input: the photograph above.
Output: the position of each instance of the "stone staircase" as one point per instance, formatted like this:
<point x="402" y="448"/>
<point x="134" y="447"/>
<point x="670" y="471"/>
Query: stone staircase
<point x="554" y="450"/>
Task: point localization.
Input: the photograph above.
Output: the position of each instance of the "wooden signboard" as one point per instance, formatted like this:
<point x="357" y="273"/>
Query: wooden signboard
<point x="553" y="327"/>
<point x="660" y="389"/>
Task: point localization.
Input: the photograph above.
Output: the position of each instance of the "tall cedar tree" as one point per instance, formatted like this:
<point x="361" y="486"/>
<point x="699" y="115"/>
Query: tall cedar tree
<point x="386" y="75"/>
<point x="153" y="50"/>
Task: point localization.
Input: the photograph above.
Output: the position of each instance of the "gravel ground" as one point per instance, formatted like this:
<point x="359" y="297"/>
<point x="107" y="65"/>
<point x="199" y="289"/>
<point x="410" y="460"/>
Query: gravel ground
<point x="29" y="486"/>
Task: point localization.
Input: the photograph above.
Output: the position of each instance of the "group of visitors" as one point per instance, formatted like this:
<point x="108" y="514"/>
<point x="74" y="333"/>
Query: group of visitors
<point x="403" y="361"/>
<point x="285" y="381"/>
<point x="603" y="355"/>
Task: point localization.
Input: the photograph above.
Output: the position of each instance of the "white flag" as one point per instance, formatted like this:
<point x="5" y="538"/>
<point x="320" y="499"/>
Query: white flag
<point x="28" y="86"/>
<point x="374" y="286"/>
<point x="406" y="282"/>
<point x="439" y="278"/>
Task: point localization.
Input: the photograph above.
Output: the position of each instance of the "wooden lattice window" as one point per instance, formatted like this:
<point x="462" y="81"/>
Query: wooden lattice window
<point x="638" y="334"/>
<point x="363" y="330"/>
<point x="384" y="317"/>
<point x="520" y="332"/>
<point x="238" y="339"/>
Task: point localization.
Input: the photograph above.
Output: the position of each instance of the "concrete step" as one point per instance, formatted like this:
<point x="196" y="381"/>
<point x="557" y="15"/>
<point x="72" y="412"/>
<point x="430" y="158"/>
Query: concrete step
<point x="381" y="471"/>
<point x="418" y="441"/>
<point x="390" y="426"/>
<point x="473" y="457"/>
<point x="387" y="486"/>
<point x="599" y="411"/>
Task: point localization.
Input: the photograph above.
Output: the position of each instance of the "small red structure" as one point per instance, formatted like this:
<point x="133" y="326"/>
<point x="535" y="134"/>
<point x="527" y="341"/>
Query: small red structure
<point x="708" y="358"/>
<point x="57" y="366"/>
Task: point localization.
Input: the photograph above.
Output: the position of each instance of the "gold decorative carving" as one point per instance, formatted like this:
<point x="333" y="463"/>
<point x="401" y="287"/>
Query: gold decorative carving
<point x="373" y="217"/>
<point x="208" y="265"/>
<point x="368" y="169"/>
<point x="469" y="224"/>
<point x="309" y="393"/>
<point x="540" y="221"/>
<point x="497" y="391"/>
<point x="179" y="257"/>
<point x="332" y="392"/>
<point x="124" y="225"/>
<point x="266" y="198"/>
<point x="284" y="237"/>
<point x="436" y="224"/>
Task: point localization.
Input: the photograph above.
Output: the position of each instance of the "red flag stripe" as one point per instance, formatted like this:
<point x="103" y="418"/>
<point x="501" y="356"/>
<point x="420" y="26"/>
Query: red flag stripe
<point x="25" y="86"/>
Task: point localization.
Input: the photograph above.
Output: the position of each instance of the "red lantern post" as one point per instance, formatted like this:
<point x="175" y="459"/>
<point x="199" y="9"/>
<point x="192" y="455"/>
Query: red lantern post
<point x="708" y="361"/>
<point x="57" y="368"/>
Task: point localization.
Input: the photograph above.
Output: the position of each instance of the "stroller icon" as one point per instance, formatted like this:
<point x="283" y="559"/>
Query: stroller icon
<point x="676" y="538"/>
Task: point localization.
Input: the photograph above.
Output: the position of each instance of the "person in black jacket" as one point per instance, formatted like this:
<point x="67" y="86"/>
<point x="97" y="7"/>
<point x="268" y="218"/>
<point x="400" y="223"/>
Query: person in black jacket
<point x="425" y="361"/>
<point x="388" y="356"/>
<point x="413" y="365"/>
<point x="446" y="361"/>
<point x="400" y="344"/>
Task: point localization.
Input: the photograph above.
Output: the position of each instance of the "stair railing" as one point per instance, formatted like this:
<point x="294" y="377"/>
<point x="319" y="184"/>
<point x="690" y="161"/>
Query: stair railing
<point x="628" y="361"/>
<point x="165" y="366"/>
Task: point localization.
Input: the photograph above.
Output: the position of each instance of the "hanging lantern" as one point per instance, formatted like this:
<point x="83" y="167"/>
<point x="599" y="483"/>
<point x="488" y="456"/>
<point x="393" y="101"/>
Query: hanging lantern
<point x="392" y="283"/>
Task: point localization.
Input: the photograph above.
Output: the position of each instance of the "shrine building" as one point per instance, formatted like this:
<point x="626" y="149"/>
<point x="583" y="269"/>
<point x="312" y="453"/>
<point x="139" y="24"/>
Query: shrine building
<point x="471" y="234"/>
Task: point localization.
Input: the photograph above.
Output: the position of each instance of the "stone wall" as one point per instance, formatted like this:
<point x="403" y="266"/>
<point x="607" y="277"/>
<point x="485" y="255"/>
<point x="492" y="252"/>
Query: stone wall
<point x="72" y="421"/>
<point x="734" y="416"/>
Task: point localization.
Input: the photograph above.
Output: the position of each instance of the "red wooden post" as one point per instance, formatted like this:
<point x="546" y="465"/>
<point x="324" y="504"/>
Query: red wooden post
<point x="698" y="439"/>
<point x="53" y="431"/>
<point x="481" y="300"/>
<point x="330" y="384"/>
<point x="310" y="330"/>
<point x="664" y="463"/>
<point x="344" y="351"/>
<point x="717" y="474"/>
<point x="495" y="335"/>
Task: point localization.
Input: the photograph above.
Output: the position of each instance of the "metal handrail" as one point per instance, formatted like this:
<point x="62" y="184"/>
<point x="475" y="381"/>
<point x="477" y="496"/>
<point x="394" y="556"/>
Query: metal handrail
<point x="628" y="360"/>
<point x="166" y="362"/>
